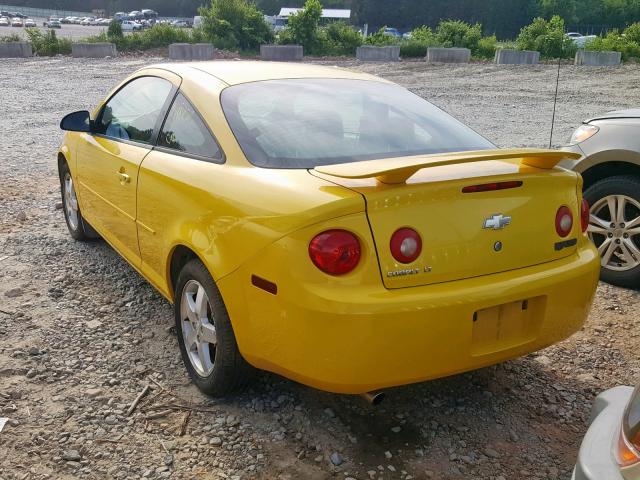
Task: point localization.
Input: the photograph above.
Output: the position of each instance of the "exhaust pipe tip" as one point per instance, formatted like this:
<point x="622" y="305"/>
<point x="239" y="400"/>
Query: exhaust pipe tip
<point x="373" y="398"/>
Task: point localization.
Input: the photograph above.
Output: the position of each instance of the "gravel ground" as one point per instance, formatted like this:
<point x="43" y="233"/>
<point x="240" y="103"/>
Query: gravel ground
<point x="82" y="334"/>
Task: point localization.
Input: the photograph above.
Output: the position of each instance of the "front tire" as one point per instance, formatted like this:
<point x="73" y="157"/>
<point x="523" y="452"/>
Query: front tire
<point x="614" y="227"/>
<point x="79" y="229"/>
<point x="205" y="334"/>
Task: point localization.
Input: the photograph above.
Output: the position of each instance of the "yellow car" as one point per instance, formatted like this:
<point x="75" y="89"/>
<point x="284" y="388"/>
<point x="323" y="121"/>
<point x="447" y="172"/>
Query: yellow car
<point x="327" y="225"/>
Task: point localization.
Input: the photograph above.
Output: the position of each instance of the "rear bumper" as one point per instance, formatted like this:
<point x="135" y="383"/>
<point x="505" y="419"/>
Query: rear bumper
<point x="354" y="338"/>
<point x="596" y="460"/>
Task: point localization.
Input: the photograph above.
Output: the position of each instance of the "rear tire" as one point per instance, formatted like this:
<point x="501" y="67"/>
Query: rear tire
<point x="205" y="334"/>
<point x="79" y="229"/>
<point x="616" y="233"/>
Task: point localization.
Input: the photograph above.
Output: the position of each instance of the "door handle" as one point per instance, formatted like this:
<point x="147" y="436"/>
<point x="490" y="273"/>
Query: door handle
<point x="124" y="178"/>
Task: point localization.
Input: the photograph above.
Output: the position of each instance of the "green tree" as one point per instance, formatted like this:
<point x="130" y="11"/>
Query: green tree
<point x="547" y="37"/>
<point x="235" y="25"/>
<point x="563" y="8"/>
<point x="302" y="28"/>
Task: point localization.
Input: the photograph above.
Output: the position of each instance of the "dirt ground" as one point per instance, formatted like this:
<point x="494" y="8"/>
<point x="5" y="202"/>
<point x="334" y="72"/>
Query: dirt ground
<point x="81" y="334"/>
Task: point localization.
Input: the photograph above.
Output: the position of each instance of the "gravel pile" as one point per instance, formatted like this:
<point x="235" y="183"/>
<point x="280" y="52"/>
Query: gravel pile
<point x="82" y="336"/>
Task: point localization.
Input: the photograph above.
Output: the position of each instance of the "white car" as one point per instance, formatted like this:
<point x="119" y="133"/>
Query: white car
<point x="611" y="448"/>
<point x="579" y="39"/>
<point x="129" y="26"/>
<point x="4" y="22"/>
<point x="30" y="23"/>
<point x="17" y="22"/>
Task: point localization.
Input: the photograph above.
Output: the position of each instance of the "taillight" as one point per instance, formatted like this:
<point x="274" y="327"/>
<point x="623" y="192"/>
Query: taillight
<point x="584" y="215"/>
<point x="564" y="221"/>
<point x="628" y="448"/>
<point x="405" y="245"/>
<point x="335" y="252"/>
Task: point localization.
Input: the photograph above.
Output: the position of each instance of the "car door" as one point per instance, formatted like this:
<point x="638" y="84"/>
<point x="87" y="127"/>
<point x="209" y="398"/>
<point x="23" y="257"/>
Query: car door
<point x="176" y="186"/>
<point x="109" y="157"/>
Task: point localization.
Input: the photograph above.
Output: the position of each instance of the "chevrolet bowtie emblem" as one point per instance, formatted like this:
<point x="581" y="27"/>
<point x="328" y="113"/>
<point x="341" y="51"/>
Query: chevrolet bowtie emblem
<point x="497" y="222"/>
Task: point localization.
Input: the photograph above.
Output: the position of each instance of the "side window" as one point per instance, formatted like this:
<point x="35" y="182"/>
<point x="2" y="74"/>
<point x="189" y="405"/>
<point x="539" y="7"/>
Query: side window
<point x="132" y="113"/>
<point x="184" y="130"/>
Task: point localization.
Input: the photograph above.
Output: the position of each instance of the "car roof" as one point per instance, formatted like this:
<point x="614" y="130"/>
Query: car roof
<point x="235" y="72"/>
<point x="629" y="113"/>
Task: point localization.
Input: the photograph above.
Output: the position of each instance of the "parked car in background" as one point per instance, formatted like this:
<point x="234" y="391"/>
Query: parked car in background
<point x="17" y="22"/>
<point x="19" y="15"/>
<point x="392" y="32"/>
<point x="181" y="24"/>
<point x="4" y="22"/>
<point x="579" y="39"/>
<point x="405" y="246"/>
<point x="54" y="24"/>
<point x="611" y="448"/>
<point x="609" y="146"/>
<point x="130" y="26"/>
<point x="30" y="23"/>
<point x="65" y="20"/>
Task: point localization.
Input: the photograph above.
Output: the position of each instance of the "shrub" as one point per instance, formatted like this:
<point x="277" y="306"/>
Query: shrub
<point x="338" y="38"/>
<point x="235" y="25"/>
<point x="413" y="48"/>
<point x="302" y="28"/>
<point x="115" y="29"/>
<point x="13" y="37"/>
<point x="416" y="45"/>
<point x="615" y="42"/>
<point x="48" y="44"/>
<point x="547" y="37"/>
<point x="487" y="47"/>
<point x="456" y="33"/>
<point x="158" y="36"/>
<point x="379" y="39"/>
<point x="632" y="33"/>
<point x="423" y="34"/>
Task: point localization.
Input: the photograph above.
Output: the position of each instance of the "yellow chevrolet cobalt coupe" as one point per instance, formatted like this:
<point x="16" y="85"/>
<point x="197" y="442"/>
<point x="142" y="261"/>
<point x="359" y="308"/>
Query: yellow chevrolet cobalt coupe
<point x="327" y="225"/>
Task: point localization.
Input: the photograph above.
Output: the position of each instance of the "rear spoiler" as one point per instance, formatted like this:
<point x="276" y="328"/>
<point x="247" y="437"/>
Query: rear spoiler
<point x="399" y="170"/>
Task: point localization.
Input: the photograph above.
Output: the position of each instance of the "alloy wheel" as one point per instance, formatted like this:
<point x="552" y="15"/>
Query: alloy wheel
<point x="70" y="202"/>
<point x="198" y="328"/>
<point x="614" y="227"/>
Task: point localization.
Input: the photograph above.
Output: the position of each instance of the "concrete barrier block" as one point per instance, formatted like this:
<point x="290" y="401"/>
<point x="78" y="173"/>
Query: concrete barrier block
<point x="378" y="54"/>
<point x="15" y="50"/>
<point x="598" y="59"/>
<point x="448" y="55"/>
<point x="202" y="51"/>
<point x="93" y="50"/>
<point x="180" y="51"/>
<point x="188" y="51"/>
<point x="282" y="53"/>
<point x="505" y="56"/>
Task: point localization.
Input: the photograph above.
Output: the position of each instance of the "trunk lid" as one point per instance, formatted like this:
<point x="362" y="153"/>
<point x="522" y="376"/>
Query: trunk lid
<point x="461" y="231"/>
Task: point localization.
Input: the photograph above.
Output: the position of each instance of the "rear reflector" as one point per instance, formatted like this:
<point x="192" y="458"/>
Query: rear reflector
<point x="489" y="187"/>
<point x="264" y="284"/>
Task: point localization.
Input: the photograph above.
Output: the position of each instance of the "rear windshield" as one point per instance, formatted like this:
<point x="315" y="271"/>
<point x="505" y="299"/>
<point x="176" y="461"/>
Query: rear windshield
<point x="311" y="122"/>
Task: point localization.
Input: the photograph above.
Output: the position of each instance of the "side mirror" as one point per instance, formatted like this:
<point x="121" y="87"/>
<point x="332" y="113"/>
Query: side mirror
<point x="76" y="122"/>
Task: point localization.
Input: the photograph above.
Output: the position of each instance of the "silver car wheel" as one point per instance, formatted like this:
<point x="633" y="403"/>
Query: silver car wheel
<point x="70" y="202"/>
<point x="198" y="328"/>
<point x="614" y="227"/>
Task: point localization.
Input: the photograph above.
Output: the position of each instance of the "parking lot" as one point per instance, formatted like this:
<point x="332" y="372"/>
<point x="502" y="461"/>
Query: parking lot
<point x="74" y="32"/>
<point x="83" y="334"/>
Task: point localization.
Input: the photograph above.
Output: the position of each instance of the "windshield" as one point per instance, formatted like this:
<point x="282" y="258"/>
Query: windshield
<point x="310" y="122"/>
